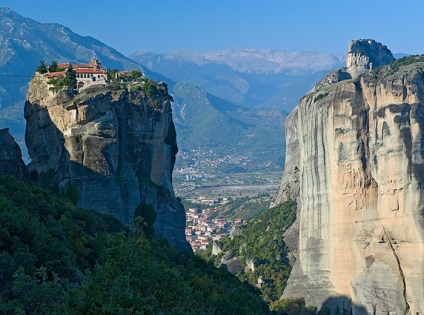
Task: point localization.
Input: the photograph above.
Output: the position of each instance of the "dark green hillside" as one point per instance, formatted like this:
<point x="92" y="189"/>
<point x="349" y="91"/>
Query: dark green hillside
<point x="57" y="259"/>
<point x="262" y="240"/>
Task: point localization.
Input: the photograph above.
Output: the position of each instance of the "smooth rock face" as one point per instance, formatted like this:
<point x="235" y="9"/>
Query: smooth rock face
<point x="116" y="146"/>
<point x="11" y="162"/>
<point x="355" y="165"/>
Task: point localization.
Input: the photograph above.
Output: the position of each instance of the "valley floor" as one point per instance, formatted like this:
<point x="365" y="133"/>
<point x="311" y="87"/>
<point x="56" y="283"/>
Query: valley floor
<point x="216" y="202"/>
<point x="192" y="184"/>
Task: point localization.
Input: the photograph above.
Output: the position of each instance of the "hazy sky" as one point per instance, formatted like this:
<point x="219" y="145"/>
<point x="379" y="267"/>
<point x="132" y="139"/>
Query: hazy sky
<point x="169" y="25"/>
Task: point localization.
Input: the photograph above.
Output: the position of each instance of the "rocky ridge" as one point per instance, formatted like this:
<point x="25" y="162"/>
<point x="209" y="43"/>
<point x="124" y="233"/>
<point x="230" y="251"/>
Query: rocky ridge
<point x="251" y="77"/>
<point x="115" y="146"/>
<point x="249" y="60"/>
<point x="354" y="163"/>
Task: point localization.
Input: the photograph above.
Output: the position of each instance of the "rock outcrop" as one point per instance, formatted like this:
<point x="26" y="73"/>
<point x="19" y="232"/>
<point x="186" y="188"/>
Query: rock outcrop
<point x="216" y="247"/>
<point x="11" y="162"/>
<point x="114" y="145"/>
<point x="232" y="263"/>
<point x="366" y="54"/>
<point x="355" y="164"/>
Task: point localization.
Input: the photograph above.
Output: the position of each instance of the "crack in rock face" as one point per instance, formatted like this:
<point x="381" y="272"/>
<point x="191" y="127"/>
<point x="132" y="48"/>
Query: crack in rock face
<point x="356" y="142"/>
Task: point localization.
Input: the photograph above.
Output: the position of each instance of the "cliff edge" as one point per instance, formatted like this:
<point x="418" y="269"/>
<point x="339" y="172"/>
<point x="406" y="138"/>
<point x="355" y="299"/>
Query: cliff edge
<point x="11" y="162"/>
<point x="113" y="147"/>
<point x="355" y="164"/>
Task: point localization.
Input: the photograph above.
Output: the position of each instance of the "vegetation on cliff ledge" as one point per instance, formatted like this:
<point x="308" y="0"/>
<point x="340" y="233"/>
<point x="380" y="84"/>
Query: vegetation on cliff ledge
<point x="416" y="61"/>
<point x="262" y="242"/>
<point x="134" y="80"/>
<point x="68" y="81"/>
<point x="58" y="259"/>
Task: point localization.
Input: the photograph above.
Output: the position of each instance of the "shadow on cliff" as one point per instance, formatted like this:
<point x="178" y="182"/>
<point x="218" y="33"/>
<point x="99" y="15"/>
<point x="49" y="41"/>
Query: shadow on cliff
<point x="119" y="187"/>
<point x="342" y="305"/>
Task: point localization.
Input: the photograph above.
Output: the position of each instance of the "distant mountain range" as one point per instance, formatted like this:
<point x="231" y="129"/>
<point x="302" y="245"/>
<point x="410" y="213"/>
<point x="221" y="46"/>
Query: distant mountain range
<point x="251" y="77"/>
<point x="23" y="43"/>
<point x="232" y="101"/>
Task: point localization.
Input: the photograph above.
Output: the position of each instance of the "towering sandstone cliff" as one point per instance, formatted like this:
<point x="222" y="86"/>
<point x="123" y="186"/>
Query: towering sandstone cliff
<point x="11" y="157"/>
<point x="114" y="145"/>
<point x="354" y="163"/>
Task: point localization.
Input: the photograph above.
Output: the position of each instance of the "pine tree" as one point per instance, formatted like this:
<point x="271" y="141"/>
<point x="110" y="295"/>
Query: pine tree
<point x="53" y="66"/>
<point x="70" y="76"/>
<point x="42" y="67"/>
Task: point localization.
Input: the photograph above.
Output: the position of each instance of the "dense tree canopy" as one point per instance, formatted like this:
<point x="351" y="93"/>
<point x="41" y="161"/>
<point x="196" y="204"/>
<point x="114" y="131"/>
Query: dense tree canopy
<point x="262" y="241"/>
<point x="58" y="259"/>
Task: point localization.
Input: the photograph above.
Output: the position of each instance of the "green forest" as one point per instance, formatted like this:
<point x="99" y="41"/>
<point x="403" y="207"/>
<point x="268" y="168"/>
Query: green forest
<point x="262" y="241"/>
<point x="58" y="259"/>
<point x="266" y="249"/>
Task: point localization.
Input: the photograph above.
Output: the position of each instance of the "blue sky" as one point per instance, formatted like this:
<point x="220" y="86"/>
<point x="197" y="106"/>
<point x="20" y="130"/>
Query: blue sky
<point x="170" y="25"/>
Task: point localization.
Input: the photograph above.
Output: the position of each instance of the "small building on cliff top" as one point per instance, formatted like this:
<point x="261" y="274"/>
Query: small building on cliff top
<point x="87" y="74"/>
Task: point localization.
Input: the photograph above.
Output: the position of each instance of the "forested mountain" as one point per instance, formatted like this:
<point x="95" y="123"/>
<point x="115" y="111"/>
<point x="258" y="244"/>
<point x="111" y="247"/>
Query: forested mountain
<point x="253" y="137"/>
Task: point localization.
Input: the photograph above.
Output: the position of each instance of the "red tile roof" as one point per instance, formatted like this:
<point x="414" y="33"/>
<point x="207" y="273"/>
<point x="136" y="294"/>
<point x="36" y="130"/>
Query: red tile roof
<point x="56" y="74"/>
<point x="90" y="71"/>
<point x="82" y="67"/>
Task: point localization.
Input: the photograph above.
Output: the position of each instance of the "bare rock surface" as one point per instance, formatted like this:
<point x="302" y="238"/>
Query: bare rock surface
<point x="11" y="162"/>
<point x="355" y="164"/>
<point x="216" y="247"/>
<point x="115" y="145"/>
<point x="232" y="263"/>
